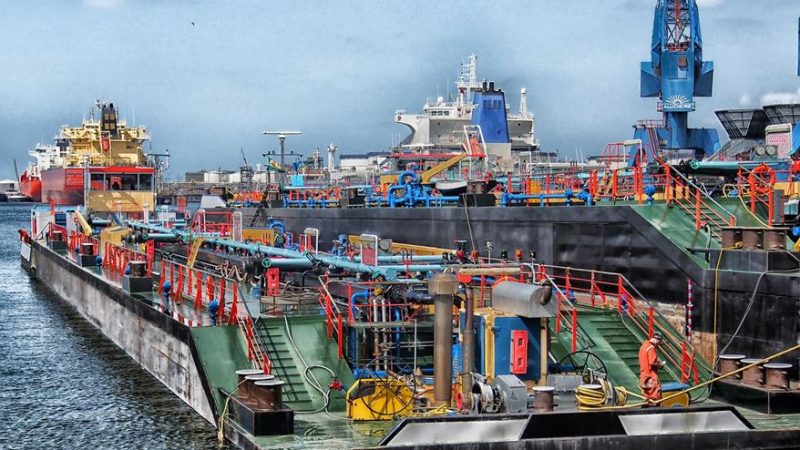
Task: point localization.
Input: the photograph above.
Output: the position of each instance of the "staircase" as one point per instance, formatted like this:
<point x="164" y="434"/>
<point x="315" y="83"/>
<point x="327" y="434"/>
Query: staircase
<point x="271" y="334"/>
<point x="614" y="343"/>
<point x="308" y="333"/>
<point x="706" y="212"/>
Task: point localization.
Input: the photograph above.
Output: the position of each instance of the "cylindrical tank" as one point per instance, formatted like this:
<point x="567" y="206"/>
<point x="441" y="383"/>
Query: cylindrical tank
<point x="543" y="398"/>
<point x="730" y="363"/>
<point x="777" y="375"/>
<point x="521" y="292"/>
<point x="753" y="376"/>
<point x="268" y="393"/>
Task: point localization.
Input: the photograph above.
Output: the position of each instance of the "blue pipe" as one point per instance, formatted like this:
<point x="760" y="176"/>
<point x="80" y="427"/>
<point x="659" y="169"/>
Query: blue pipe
<point x="353" y="332"/>
<point x="389" y="272"/>
<point x="396" y="318"/>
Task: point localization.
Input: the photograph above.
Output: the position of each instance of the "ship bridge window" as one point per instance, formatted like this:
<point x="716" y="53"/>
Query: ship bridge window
<point x="98" y="182"/>
<point x="145" y="182"/>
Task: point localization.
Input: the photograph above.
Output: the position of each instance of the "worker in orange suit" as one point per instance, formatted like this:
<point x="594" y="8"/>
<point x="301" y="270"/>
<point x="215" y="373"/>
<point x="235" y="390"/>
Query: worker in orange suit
<point x="649" y="364"/>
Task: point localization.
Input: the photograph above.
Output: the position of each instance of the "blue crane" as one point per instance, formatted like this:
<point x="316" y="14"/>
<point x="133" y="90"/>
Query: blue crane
<point x="676" y="73"/>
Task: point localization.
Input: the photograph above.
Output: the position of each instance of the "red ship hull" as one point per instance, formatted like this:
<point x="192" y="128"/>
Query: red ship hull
<point x="30" y="187"/>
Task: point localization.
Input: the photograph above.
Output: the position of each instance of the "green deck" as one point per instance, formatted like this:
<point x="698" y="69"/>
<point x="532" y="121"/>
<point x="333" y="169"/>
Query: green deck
<point x="310" y="337"/>
<point x="221" y="351"/>
<point x="615" y="341"/>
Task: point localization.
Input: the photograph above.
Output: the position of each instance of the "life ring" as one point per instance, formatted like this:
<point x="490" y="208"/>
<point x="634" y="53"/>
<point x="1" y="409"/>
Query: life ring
<point x="764" y="172"/>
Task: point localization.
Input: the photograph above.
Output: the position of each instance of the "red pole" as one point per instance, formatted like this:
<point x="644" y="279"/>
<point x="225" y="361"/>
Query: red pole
<point x="574" y="329"/>
<point x="198" y="300"/>
<point x="209" y="288"/>
<point x="234" y="308"/>
<point x="349" y="305"/>
<point x="620" y="292"/>
<point x="558" y="312"/>
<point x="328" y="313"/>
<point x="650" y="320"/>
<point x="339" y="332"/>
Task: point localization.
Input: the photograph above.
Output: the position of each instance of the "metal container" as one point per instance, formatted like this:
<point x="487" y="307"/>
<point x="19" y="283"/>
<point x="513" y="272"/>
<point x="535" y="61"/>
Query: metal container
<point x="87" y="248"/>
<point x="753" y="376"/>
<point x="58" y="236"/>
<point x="523" y="299"/>
<point x="777" y="375"/>
<point x="752" y="238"/>
<point x="138" y="268"/>
<point x="729" y="363"/>
<point x="268" y="393"/>
<point x="543" y="398"/>
<point x="246" y="387"/>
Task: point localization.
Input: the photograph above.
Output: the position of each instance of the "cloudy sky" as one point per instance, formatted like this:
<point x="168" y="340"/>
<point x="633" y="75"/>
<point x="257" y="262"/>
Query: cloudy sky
<point x="337" y="70"/>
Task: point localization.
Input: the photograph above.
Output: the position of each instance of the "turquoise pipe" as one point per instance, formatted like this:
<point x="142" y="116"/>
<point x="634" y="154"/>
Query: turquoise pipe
<point x="388" y="272"/>
<point x="161" y="237"/>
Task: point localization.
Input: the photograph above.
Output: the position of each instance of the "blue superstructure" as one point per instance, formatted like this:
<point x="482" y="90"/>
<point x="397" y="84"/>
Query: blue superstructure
<point x="677" y="74"/>
<point x="490" y="114"/>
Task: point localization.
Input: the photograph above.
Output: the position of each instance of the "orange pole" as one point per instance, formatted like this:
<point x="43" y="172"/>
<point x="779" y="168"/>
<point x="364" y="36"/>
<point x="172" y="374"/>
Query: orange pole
<point x="574" y="329"/>
<point x="198" y="300"/>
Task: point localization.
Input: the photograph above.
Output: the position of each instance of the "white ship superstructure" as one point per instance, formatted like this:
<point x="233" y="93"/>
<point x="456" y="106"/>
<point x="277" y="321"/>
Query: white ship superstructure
<point x="441" y="123"/>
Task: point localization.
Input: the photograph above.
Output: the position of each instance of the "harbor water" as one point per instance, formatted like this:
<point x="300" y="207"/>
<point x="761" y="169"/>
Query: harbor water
<point x="63" y="385"/>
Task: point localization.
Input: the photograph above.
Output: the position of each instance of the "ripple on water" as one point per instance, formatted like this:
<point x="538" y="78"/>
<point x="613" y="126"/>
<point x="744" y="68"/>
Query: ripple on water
<point x="64" y="385"/>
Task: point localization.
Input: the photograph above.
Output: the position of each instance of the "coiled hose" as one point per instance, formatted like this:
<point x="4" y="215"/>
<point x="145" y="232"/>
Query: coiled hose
<point x="589" y="397"/>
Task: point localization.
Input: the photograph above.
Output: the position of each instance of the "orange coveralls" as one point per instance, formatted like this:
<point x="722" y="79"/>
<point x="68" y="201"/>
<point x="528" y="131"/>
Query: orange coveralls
<point x="648" y="371"/>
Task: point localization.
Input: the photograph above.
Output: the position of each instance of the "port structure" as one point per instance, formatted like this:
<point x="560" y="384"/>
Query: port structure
<point x="282" y="140"/>
<point x="677" y="73"/>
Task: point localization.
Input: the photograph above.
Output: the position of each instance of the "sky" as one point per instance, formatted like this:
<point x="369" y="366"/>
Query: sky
<point x="207" y="78"/>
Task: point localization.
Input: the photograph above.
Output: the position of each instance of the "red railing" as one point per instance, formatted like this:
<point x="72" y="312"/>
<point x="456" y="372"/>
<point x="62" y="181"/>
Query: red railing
<point x="758" y="184"/>
<point x="695" y="202"/>
<point x="616" y="184"/>
<point x="581" y="286"/>
<point x="333" y="318"/>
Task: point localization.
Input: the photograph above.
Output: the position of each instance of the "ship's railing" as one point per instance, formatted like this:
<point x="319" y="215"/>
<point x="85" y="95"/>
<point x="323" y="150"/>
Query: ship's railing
<point x="333" y="317"/>
<point x="613" y="291"/>
<point x="201" y="287"/>
<point x="758" y="184"/>
<point x="695" y="202"/>
<point x="117" y="257"/>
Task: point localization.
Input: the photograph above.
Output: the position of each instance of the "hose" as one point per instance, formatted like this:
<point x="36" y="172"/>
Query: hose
<point x="312" y="381"/>
<point x="589" y="399"/>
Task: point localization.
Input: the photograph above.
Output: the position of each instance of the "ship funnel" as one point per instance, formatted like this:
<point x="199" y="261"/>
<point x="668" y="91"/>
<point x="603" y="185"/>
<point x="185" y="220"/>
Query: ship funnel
<point x="491" y="86"/>
<point x="743" y="123"/>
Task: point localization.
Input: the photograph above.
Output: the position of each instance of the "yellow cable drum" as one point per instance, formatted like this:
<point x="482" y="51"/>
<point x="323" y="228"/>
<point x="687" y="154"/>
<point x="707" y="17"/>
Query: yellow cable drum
<point x="379" y="399"/>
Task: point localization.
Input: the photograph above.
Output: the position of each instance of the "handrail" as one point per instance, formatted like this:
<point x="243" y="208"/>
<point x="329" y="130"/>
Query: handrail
<point x="702" y="191"/>
<point x="626" y="288"/>
<point x="588" y="341"/>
